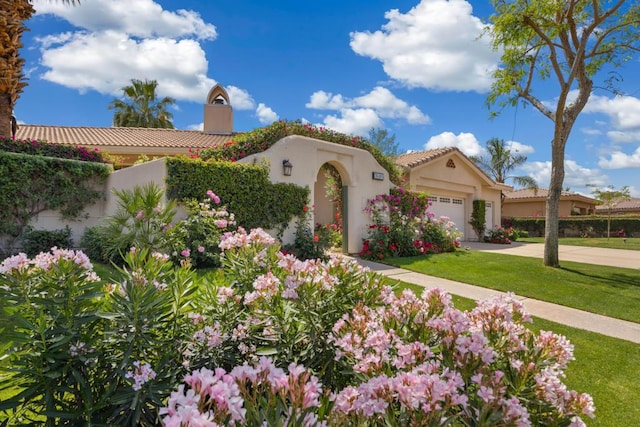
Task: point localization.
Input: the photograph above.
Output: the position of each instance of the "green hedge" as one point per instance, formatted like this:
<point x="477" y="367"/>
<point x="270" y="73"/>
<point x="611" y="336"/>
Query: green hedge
<point x="245" y="189"/>
<point x="43" y="148"/>
<point x="592" y="226"/>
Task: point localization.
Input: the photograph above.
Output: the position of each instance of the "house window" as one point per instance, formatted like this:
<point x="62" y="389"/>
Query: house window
<point x="451" y="164"/>
<point x="457" y="201"/>
<point x="488" y="204"/>
<point x="432" y="198"/>
<point x="445" y="200"/>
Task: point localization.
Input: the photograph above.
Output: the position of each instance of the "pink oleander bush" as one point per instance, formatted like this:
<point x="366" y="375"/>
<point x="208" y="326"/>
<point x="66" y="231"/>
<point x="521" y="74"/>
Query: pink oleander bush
<point x="270" y="340"/>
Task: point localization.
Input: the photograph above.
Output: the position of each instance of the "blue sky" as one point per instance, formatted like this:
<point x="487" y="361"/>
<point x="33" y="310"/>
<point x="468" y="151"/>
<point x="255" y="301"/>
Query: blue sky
<point x="416" y="68"/>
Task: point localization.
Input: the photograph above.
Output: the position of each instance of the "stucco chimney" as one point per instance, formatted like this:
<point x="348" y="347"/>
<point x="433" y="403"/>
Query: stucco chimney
<point x="218" y="113"/>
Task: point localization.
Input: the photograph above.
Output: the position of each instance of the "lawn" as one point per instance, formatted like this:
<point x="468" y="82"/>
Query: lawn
<point x="632" y="243"/>
<point x="610" y="291"/>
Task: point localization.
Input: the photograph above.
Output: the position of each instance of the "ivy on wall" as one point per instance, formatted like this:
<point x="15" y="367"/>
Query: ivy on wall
<point x="32" y="184"/>
<point x="245" y="189"/>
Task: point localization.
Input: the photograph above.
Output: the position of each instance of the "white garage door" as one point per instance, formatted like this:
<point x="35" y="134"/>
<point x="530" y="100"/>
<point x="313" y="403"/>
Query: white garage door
<point x="452" y="207"/>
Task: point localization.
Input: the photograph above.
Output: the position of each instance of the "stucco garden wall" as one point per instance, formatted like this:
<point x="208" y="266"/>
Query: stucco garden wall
<point x="355" y="166"/>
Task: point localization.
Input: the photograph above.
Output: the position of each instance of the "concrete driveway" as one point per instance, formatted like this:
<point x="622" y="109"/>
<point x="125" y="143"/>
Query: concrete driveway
<point x="597" y="256"/>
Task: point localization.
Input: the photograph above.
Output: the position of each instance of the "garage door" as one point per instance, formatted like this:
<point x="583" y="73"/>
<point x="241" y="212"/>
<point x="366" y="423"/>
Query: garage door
<point x="488" y="215"/>
<point x="452" y="207"/>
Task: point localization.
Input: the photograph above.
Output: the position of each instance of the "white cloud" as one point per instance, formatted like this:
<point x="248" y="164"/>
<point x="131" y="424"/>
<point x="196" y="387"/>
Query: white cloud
<point x="134" y="39"/>
<point x="369" y="109"/>
<point x="519" y="148"/>
<point x="107" y="61"/>
<point x="353" y="122"/>
<point x="196" y="126"/>
<point x="138" y="18"/>
<point x="620" y="160"/>
<point x="265" y="114"/>
<point x="240" y="98"/>
<point x="576" y="176"/>
<point x="436" y="45"/>
<point x="466" y="142"/>
<point x="624" y="111"/>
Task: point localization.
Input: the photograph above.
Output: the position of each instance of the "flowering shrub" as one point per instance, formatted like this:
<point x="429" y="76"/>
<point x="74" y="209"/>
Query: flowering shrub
<point x="198" y="235"/>
<point x="272" y="339"/>
<point x="43" y="148"/>
<point x="422" y="361"/>
<point x="501" y="235"/>
<point x="402" y="226"/>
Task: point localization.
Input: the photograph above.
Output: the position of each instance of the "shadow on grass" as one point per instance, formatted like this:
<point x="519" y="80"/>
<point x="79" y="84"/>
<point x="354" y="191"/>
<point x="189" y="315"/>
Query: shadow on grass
<point x="617" y="280"/>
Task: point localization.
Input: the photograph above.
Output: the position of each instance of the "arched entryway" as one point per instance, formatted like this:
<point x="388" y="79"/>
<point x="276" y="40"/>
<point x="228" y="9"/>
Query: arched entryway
<point x="329" y="207"/>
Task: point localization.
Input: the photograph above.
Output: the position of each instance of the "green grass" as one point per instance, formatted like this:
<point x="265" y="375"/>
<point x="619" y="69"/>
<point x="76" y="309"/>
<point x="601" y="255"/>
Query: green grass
<point x="632" y="243"/>
<point x="610" y="291"/>
<point x="605" y="367"/>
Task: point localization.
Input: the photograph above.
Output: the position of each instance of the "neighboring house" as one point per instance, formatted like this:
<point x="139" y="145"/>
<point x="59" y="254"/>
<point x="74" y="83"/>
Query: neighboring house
<point x="453" y="182"/>
<point x="625" y="207"/>
<point x="447" y="175"/>
<point x="533" y="203"/>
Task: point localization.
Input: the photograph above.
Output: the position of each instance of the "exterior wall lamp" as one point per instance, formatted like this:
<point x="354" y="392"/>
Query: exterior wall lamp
<point x="287" y="167"/>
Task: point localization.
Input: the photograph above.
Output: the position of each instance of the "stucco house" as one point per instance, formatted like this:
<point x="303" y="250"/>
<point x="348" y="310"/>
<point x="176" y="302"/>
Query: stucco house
<point x="533" y="203"/>
<point x="625" y="207"/>
<point x="450" y="178"/>
<point x="453" y="182"/>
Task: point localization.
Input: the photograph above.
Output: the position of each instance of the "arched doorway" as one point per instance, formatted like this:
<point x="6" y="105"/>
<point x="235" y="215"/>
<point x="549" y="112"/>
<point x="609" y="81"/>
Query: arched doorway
<point x="329" y="207"/>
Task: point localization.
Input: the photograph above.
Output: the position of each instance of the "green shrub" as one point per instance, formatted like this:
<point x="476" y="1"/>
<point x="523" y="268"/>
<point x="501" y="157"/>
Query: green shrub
<point x="576" y="226"/>
<point x="36" y="241"/>
<point x="307" y="244"/>
<point x="244" y="189"/>
<point x="478" y="218"/>
<point x="94" y="243"/>
<point x="198" y="235"/>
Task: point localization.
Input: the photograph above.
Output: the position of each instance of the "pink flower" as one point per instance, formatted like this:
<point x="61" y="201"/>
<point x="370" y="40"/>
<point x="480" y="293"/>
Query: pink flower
<point x="140" y="215"/>
<point x="200" y="249"/>
<point x="213" y="197"/>
<point x="185" y="253"/>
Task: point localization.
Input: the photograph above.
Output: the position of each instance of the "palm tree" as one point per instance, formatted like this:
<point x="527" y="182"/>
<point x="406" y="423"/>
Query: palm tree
<point x="142" y="107"/>
<point x="501" y="161"/>
<point x="13" y="15"/>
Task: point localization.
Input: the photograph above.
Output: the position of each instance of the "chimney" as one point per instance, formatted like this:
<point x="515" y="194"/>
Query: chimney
<point x="218" y="113"/>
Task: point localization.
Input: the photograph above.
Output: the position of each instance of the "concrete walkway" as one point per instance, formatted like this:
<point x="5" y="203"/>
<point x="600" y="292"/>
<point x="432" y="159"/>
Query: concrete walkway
<point x="616" y="328"/>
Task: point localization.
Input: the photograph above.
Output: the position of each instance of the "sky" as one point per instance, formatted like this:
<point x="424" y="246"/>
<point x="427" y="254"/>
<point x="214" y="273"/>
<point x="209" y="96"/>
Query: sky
<point x="419" y="69"/>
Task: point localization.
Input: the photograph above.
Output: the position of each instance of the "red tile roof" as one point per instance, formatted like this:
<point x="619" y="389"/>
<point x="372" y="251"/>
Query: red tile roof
<point x="418" y="158"/>
<point x="543" y="193"/>
<point x="103" y="137"/>
<point x="632" y="204"/>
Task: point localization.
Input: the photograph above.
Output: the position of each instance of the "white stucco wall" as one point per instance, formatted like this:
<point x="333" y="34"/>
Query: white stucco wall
<point x="355" y="166"/>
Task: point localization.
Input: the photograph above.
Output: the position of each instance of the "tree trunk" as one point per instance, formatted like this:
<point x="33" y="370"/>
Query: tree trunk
<point x="551" y="257"/>
<point x="5" y="115"/>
